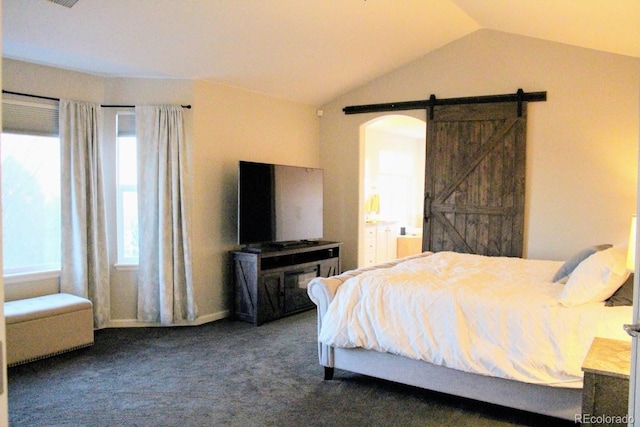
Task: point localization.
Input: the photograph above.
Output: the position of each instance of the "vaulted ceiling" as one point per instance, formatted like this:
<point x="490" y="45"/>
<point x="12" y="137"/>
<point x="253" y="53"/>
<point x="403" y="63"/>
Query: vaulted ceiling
<point x="309" y="51"/>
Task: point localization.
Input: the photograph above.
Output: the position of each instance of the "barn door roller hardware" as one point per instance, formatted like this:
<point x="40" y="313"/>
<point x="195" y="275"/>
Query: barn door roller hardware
<point x="520" y="96"/>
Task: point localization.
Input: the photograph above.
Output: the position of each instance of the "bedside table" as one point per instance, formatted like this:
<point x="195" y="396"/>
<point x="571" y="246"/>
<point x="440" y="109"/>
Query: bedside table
<point x="605" y="395"/>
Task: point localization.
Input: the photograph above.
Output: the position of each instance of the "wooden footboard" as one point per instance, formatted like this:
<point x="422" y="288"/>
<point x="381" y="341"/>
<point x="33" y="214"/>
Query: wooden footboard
<point x="565" y="403"/>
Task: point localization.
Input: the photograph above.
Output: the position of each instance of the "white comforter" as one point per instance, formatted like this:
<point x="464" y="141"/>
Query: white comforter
<point x="495" y="316"/>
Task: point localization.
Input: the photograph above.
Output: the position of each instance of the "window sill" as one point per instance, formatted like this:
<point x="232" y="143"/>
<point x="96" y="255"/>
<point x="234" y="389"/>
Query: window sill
<point x="126" y="267"/>
<point x="11" y="279"/>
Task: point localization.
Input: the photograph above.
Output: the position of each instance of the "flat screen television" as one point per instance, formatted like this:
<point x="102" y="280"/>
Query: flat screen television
<point x="279" y="204"/>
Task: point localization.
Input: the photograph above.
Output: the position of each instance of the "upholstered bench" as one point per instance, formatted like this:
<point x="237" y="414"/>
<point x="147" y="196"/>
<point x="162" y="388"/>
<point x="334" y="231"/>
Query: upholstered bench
<point x="47" y="325"/>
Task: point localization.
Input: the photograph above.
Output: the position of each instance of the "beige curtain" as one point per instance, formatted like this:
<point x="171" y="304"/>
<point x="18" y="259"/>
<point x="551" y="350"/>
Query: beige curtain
<point x="165" y="284"/>
<point x="85" y="263"/>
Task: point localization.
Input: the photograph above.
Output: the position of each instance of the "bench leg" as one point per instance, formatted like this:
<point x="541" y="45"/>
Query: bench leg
<point x="328" y="373"/>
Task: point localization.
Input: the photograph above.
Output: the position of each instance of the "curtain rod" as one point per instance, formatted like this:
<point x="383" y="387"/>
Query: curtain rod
<point x="520" y="96"/>
<point x="58" y="99"/>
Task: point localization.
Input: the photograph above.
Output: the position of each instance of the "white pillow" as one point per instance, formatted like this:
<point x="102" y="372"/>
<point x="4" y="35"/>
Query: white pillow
<point x="562" y="275"/>
<point x="596" y="278"/>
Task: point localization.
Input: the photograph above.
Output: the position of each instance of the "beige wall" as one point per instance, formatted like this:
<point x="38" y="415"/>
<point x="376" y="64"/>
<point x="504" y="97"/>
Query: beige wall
<point x="47" y="81"/>
<point x="582" y="142"/>
<point x="231" y="124"/>
<point x="581" y="164"/>
<point x="225" y="125"/>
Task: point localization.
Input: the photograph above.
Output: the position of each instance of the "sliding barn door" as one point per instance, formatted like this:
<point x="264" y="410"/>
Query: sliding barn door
<point x="474" y="183"/>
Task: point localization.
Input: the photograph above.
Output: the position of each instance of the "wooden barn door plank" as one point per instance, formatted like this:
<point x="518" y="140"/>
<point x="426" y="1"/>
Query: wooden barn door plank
<point x="474" y="183"/>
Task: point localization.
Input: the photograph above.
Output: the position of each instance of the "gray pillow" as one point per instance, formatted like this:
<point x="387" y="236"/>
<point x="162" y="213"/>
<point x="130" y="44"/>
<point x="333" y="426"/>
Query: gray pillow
<point x="623" y="296"/>
<point x="571" y="264"/>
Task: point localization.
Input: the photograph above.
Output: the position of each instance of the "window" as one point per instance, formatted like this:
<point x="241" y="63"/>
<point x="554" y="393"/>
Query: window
<point x="397" y="185"/>
<point x="127" y="189"/>
<point x="30" y="155"/>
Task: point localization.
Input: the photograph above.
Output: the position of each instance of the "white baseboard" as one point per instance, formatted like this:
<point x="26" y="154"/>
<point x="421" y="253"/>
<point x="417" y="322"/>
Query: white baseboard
<point x="134" y="323"/>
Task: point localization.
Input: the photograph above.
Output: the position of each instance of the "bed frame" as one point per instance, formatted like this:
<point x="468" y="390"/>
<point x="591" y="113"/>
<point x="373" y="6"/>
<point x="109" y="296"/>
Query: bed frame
<point x="559" y="402"/>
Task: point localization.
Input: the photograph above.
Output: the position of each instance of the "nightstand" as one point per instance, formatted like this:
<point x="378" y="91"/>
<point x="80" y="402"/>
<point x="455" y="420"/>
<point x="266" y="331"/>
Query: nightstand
<point x="605" y="395"/>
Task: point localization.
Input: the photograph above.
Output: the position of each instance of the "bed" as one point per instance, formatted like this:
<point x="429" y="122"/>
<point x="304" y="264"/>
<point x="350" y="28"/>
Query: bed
<point x="506" y="331"/>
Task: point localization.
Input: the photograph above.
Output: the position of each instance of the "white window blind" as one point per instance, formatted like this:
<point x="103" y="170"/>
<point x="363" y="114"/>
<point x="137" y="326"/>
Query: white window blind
<point x="26" y="115"/>
<point x="126" y="124"/>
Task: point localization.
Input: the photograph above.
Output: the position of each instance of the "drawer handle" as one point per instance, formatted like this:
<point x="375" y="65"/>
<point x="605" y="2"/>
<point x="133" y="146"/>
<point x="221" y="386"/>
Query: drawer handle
<point x="633" y="330"/>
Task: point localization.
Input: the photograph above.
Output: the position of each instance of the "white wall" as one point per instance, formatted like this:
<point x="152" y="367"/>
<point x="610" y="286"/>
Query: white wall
<point x="581" y="143"/>
<point x="4" y="401"/>
<point x="226" y="124"/>
<point x="378" y="141"/>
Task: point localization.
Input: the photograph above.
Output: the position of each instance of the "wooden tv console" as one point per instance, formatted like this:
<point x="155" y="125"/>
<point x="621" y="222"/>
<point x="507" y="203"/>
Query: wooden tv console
<point x="271" y="282"/>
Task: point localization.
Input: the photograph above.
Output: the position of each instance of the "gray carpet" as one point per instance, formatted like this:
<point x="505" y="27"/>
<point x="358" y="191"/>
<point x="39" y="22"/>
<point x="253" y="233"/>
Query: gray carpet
<point x="225" y="373"/>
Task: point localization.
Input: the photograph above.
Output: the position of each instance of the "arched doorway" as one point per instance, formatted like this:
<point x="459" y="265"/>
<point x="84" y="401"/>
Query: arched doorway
<point x="391" y="188"/>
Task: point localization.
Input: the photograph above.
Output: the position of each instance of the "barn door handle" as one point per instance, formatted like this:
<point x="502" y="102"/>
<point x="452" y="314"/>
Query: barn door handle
<point x="427" y="207"/>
